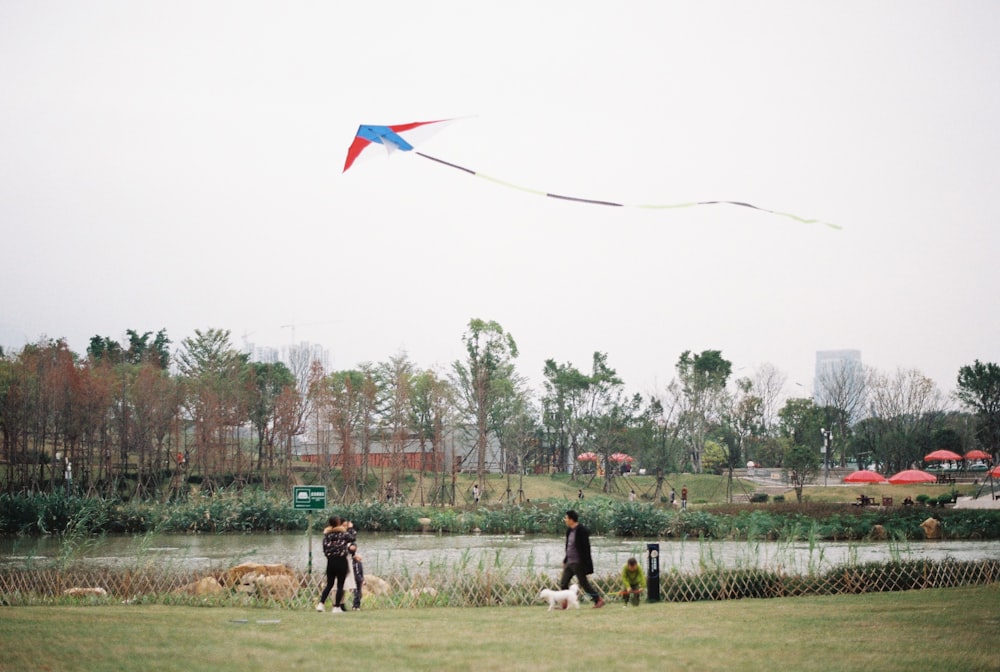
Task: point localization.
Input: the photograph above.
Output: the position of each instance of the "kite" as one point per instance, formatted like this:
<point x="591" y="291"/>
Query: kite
<point x="391" y="139"/>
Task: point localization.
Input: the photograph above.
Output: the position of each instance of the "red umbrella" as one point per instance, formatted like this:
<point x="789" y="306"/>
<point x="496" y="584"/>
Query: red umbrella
<point x="995" y="471"/>
<point x="587" y="457"/>
<point x="621" y="457"/>
<point x="977" y="455"/>
<point x="864" y="476"/>
<point x="941" y="456"/>
<point x="911" y="476"/>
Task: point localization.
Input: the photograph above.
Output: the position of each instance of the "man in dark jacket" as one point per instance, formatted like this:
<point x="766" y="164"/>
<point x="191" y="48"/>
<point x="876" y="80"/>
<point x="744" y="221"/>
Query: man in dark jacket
<point x="578" y="561"/>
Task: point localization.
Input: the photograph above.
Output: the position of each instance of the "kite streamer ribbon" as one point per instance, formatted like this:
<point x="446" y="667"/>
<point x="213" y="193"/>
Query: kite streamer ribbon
<point x="593" y="201"/>
<point x="390" y="138"/>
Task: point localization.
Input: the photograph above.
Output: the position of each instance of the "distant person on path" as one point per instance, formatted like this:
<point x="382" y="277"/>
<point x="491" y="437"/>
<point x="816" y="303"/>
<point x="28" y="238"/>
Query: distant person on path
<point x="633" y="582"/>
<point x="631" y="496"/>
<point x="684" y="497"/>
<point x="579" y="494"/>
<point x="476" y="494"/>
<point x="578" y="561"/>
<point x="338" y="536"/>
<point x="673" y="497"/>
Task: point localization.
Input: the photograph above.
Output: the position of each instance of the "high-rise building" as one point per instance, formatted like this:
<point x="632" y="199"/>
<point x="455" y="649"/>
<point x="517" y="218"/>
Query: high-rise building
<point x="839" y="373"/>
<point x="296" y="357"/>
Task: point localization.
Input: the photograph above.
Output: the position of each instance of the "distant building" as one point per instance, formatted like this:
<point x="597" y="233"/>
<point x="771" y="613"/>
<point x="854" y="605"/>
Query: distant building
<point x="839" y="373"/>
<point x="457" y="450"/>
<point x="290" y="355"/>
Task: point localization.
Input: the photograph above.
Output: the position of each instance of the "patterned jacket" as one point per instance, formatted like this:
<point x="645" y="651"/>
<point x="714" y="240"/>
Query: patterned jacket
<point x="336" y="540"/>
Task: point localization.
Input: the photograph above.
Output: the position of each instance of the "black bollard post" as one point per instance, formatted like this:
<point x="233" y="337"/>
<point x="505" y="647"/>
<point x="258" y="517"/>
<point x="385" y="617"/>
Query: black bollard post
<point x="653" y="573"/>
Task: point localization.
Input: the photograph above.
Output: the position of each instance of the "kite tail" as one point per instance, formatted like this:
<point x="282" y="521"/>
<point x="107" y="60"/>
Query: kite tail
<point x="592" y="201"/>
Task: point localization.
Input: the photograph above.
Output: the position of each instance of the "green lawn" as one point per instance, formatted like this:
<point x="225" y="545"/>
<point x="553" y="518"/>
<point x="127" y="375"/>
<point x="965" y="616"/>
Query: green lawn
<point x="941" y="629"/>
<point x="703" y="489"/>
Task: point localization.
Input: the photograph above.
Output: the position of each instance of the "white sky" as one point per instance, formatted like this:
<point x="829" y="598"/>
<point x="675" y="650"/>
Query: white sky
<point x="178" y="165"/>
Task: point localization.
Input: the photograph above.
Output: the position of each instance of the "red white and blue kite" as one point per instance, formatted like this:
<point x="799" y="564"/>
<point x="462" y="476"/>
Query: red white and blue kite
<point x="391" y="139"/>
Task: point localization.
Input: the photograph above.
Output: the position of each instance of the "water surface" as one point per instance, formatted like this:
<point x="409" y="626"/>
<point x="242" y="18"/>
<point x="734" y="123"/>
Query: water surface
<point x="514" y="555"/>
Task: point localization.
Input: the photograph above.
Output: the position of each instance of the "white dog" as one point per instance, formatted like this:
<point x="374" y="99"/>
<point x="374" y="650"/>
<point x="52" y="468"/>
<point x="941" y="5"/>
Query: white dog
<point x="564" y="598"/>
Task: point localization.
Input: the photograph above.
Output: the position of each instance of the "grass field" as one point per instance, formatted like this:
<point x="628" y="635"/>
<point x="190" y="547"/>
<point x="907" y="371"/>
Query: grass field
<point x="703" y="488"/>
<point x="942" y="629"/>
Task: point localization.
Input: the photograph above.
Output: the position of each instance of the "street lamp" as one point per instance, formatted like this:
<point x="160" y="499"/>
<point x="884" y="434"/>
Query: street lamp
<point x="827" y="434"/>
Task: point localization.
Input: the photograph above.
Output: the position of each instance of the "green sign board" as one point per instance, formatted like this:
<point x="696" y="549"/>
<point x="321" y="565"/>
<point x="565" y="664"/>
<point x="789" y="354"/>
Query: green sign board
<point x="312" y="497"/>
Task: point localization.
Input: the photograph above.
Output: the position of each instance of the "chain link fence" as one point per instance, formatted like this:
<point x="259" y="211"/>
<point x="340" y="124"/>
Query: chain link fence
<point x="278" y="587"/>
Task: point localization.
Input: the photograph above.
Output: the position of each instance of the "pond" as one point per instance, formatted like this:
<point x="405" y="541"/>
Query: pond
<point x="513" y="555"/>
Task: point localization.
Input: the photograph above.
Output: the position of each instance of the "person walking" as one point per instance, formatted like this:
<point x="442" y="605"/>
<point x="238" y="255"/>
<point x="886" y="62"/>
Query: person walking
<point x="684" y="497"/>
<point x="338" y="536"/>
<point x="578" y="561"/>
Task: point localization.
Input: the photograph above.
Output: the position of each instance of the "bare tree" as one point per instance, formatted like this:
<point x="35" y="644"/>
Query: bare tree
<point x="905" y="404"/>
<point x="767" y="384"/>
<point x="843" y="388"/>
<point x="396" y="384"/>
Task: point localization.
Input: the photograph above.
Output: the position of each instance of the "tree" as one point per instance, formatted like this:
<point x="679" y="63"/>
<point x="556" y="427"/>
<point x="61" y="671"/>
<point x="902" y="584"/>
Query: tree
<point x="702" y="389"/>
<point x="140" y="348"/>
<point x="562" y="406"/>
<point x="268" y="383"/>
<point x="216" y="394"/>
<point x="979" y="390"/>
<point x="801" y="464"/>
<point x="431" y="402"/>
<point x="395" y="382"/>
<point x="482" y="378"/>
<point x="767" y="384"/>
<point x="154" y="400"/>
<point x="343" y="403"/>
<point x="907" y="407"/>
<point x="609" y="414"/>
<point x="843" y="388"/>
<point x="801" y="425"/>
<point x="743" y="426"/>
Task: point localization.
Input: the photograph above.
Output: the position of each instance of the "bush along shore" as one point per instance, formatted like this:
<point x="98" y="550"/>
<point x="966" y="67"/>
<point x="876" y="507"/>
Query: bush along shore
<point x="259" y="511"/>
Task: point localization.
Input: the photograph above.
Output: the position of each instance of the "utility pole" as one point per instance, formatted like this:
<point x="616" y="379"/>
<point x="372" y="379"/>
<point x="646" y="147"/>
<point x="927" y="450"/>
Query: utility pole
<point x="827" y="434"/>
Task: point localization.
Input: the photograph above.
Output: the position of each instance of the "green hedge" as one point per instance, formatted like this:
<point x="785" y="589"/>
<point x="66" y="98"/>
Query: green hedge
<point x="254" y="510"/>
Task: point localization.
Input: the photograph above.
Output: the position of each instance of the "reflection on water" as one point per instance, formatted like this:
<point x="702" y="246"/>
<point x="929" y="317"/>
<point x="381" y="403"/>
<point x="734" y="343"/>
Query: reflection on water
<point x="513" y="555"/>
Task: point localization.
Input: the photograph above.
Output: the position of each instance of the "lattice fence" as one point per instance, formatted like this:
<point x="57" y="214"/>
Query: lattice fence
<point x="454" y="588"/>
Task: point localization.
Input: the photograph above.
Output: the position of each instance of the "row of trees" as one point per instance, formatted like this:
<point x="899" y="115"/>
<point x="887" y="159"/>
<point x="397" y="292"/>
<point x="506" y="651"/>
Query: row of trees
<point x="136" y="410"/>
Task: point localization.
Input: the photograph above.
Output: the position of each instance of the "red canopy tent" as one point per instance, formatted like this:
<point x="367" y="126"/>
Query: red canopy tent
<point x="978" y="455"/>
<point x="942" y="456"/>
<point x="587" y="457"/>
<point x="911" y="476"/>
<point x="864" y="476"/>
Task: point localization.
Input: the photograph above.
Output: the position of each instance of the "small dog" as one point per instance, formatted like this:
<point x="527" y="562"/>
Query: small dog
<point x="564" y="598"/>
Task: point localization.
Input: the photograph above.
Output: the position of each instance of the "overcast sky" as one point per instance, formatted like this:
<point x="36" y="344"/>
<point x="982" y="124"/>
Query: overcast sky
<point x="178" y="165"/>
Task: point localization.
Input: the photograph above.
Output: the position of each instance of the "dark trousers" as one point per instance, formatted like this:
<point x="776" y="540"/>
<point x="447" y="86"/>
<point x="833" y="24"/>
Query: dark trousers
<point x="573" y="569"/>
<point x="336" y="571"/>
<point x="357" y="597"/>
